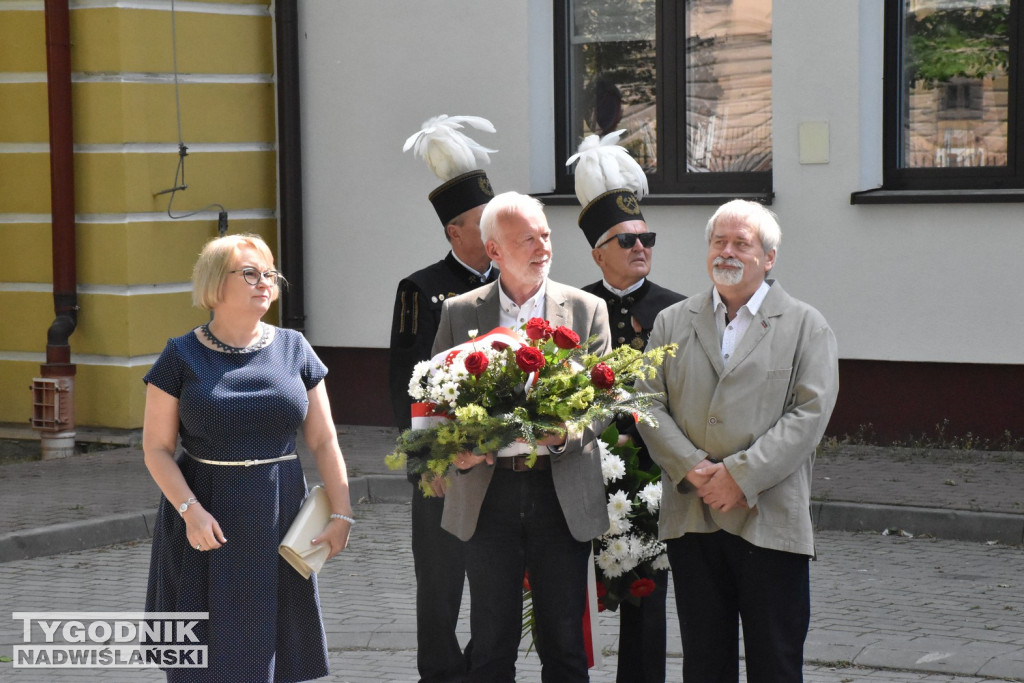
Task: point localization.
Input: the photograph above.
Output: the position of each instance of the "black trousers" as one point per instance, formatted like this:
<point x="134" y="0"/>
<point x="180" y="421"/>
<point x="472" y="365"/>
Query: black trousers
<point x="721" y="579"/>
<point x="440" y="566"/>
<point x="522" y="527"/>
<point x="642" y="636"/>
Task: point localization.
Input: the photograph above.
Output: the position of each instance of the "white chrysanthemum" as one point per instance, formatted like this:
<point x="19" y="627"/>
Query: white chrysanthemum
<point x="415" y="390"/>
<point x="449" y="392"/>
<point x="420" y="370"/>
<point x="619" y="526"/>
<point x="637" y="547"/>
<point x="618" y="548"/>
<point x="456" y="370"/>
<point x="619" y="505"/>
<point x="651" y="496"/>
<point x="612" y="467"/>
<point x="660" y="562"/>
<point x="609" y="565"/>
<point x="629" y="562"/>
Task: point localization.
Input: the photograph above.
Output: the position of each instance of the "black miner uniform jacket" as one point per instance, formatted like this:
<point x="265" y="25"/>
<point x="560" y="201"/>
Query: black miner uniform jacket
<point x="644" y="304"/>
<point x="414" y="323"/>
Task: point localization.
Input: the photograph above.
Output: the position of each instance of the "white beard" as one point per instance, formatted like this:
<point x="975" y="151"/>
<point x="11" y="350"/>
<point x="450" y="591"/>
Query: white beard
<point x="727" y="277"/>
<point x="538" y="278"/>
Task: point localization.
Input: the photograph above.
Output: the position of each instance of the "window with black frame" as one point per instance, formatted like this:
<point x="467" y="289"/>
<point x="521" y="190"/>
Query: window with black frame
<point x="688" y="80"/>
<point x="953" y="118"/>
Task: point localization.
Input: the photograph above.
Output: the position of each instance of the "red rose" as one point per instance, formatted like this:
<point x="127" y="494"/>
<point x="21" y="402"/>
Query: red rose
<point x="602" y="376"/>
<point x="601" y="591"/>
<point x="476" y="363"/>
<point x="641" y="588"/>
<point x="565" y="338"/>
<point x="538" y="328"/>
<point x="498" y="345"/>
<point x="529" y="359"/>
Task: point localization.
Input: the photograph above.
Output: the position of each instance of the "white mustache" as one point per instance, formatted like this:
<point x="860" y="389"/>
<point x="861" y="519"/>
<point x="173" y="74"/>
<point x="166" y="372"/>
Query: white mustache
<point x="731" y="262"/>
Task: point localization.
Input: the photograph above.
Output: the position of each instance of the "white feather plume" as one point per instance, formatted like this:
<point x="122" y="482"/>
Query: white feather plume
<point x="448" y="152"/>
<point x="604" y="165"/>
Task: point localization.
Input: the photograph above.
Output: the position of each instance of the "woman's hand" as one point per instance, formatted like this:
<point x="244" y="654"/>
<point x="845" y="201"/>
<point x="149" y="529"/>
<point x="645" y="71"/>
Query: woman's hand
<point x="322" y="439"/>
<point x="202" y="530"/>
<point x="336" y="535"/>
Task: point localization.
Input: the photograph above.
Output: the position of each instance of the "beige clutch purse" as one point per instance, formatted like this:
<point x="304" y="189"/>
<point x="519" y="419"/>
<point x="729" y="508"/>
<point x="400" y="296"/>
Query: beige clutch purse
<point x="295" y="547"/>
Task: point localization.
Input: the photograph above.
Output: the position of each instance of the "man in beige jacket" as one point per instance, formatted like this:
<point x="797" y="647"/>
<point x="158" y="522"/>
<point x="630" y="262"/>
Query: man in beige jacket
<point x="746" y="401"/>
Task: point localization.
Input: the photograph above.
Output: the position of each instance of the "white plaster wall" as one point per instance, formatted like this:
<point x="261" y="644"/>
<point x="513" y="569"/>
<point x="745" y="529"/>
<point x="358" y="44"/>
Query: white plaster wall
<point x="897" y="282"/>
<point x="371" y="73"/>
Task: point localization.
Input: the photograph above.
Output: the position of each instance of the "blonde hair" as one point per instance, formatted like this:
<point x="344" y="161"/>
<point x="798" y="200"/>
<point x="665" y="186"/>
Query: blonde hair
<point x="214" y="262"/>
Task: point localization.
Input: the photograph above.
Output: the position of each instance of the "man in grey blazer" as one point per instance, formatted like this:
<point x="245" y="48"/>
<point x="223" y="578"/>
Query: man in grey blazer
<point x="515" y="518"/>
<point x="746" y="401"/>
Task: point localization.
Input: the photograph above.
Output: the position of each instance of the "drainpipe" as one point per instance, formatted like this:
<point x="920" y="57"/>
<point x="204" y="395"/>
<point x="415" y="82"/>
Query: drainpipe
<point x="53" y="393"/>
<point x="289" y="159"/>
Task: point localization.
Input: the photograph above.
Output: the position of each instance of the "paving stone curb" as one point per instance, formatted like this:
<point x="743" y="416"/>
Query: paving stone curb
<point x="78" y="535"/>
<point x="957" y="525"/>
<point x="134" y="526"/>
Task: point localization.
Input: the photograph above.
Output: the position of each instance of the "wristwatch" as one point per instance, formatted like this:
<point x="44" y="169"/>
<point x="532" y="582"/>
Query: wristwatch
<point x="184" y="506"/>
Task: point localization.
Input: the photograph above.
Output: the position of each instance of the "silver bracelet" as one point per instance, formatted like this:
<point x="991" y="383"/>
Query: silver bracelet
<point x="336" y="515"/>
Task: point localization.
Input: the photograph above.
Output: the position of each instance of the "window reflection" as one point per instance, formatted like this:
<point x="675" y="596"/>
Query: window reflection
<point x="614" y="74"/>
<point x="955" y="83"/>
<point x="729" y="85"/>
<point x="688" y="80"/>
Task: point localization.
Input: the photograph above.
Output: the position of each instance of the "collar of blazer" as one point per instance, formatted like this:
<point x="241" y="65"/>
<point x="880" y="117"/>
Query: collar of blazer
<point x="555" y="310"/>
<point x="774" y="304"/>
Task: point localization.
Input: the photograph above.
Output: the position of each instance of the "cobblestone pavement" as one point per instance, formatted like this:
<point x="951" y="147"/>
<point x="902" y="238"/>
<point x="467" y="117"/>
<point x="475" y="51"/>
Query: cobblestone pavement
<point x="43" y="493"/>
<point x="885" y="608"/>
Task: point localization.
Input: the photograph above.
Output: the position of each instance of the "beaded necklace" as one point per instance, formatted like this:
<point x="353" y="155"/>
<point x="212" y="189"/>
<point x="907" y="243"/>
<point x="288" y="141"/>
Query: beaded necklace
<point x="227" y="348"/>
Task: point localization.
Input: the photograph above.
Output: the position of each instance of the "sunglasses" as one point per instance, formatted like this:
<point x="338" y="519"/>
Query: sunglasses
<point x="628" y="239"/>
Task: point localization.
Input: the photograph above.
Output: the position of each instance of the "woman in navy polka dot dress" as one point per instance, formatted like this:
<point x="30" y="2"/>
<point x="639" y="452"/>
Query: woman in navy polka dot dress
<point x="236" y="390"/>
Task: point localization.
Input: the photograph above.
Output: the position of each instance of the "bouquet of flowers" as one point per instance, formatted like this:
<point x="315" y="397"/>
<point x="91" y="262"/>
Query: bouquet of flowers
<point x="499" y="387"/>
<point x="629" y="553"/>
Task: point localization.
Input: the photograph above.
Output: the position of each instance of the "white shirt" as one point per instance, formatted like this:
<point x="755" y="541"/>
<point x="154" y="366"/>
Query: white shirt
<point x="730" y="334"/>
<point x="623" y="292"/>
<point x="515" y="316"/>
<point x="483" y="276"/>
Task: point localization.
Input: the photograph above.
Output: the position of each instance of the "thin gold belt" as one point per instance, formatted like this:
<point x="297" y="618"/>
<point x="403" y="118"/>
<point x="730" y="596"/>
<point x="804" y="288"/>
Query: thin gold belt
<point x="245" y="463"/>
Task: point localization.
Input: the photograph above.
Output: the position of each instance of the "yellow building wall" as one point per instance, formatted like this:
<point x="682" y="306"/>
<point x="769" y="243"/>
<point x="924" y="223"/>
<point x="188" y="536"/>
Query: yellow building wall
<point x="24" y="112"/>
<point x="16" y="390"/>
<point x="133" y="261"/>
<point x="21" y="49"/>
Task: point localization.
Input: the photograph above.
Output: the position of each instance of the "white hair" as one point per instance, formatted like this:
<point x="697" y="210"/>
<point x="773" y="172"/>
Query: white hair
<point x="753" y="214"/>
<point x="506" y="204"/>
